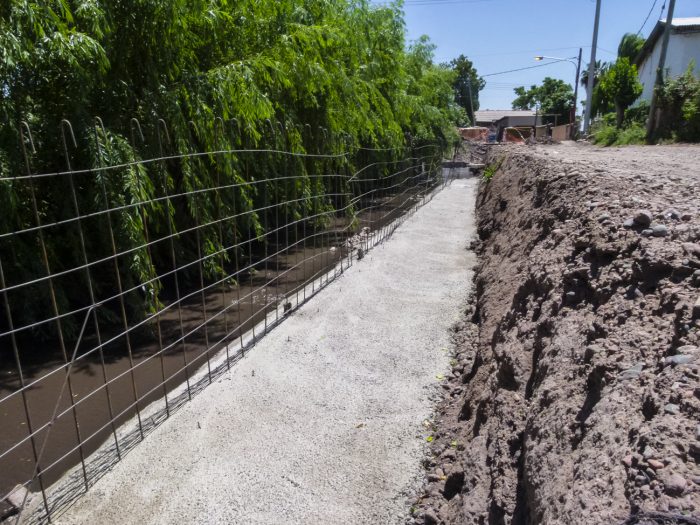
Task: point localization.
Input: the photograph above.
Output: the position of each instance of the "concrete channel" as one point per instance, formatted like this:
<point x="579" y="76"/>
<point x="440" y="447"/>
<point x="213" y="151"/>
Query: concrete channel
<point x="322" y="422"/>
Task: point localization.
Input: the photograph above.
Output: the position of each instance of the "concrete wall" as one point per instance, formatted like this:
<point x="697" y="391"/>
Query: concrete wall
<point x="560" y="133"/>
<point x="682" y="49"/>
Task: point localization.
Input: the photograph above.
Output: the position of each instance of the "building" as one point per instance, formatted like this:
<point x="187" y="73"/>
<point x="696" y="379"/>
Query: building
<point x="499" y="119"/>
<point x="683" y="48"/>
<point x="506" y="118"/>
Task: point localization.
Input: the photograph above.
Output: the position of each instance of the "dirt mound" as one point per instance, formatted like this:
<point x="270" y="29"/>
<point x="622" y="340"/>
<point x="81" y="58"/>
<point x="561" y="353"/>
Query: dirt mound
<point x="575" y="395"/>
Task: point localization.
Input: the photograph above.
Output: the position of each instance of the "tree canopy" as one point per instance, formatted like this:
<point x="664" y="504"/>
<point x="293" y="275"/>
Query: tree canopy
<point x="467" y="84"/>
<point x="553" y="96"/>
<point x="630" y="46"/>
<point x="621" y="86"/>
<point x="341" y="66"/>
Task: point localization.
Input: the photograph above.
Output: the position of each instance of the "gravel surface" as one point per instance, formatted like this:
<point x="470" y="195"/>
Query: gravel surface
<point x="323" y="421"/>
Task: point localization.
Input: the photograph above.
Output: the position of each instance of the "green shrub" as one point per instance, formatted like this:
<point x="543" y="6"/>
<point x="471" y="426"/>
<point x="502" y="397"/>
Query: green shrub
<point x="605" y="134"/>
<point x="679" y="101"/>
<point x="635" y="134"/>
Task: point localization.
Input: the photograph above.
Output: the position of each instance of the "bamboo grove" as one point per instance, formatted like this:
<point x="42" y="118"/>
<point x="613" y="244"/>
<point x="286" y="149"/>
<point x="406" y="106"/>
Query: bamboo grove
<point x="294" y="75"/>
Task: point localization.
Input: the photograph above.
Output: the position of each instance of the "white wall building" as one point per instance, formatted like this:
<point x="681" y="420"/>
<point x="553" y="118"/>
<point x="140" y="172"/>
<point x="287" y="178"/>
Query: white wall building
<point x="683" y="47"/>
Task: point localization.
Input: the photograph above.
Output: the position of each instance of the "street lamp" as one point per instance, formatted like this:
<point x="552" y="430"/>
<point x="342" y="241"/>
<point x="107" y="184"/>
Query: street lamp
<point x="577" y="65"/>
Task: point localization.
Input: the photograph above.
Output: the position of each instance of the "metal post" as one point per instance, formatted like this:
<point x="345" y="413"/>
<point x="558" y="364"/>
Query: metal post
<point x="651" y="122"/>
<point x="591" y="70"/>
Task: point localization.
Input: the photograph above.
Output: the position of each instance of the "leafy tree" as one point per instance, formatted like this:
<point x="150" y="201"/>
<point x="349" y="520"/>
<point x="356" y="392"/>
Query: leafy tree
<point x="621" y="85"/>
<point x="467" y="84"/>
<point x="553" y="96"/>
<point x="630" y="46"/>
<point x="599" y="104"/>
<point x="339" y="65"/>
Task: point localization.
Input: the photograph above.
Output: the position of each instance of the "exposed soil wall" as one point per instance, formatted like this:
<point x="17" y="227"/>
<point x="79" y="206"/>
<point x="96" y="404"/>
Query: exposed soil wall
<point x="575" y="396"/>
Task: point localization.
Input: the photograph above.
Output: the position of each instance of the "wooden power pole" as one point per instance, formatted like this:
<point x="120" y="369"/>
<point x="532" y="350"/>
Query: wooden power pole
<point x="651" y="121"/>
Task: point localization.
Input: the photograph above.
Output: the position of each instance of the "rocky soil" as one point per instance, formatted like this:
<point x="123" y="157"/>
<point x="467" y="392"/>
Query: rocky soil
<point x="575" y="391"/>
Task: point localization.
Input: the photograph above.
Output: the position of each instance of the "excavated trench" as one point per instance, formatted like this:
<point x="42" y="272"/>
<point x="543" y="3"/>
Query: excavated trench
<point x="575" y="391"/>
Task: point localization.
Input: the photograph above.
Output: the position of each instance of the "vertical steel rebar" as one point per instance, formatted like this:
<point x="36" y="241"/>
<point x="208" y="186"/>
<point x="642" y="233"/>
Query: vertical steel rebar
<point x="221" y="136"/>
<point x="200" y="268"/>
<point x="88" y="274"/>
<point x="236" y="241"/>
<point x="134" y="126"/>
<point x="15" y="346"/>
<point x="161" y="127"/>
<point x="99" y="126"/>
<point x="54" y="304"/>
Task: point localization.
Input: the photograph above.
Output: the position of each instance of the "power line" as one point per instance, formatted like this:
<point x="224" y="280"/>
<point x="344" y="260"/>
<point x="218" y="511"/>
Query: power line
<point x="647" y="18"/>
<point x="520" y="69"/>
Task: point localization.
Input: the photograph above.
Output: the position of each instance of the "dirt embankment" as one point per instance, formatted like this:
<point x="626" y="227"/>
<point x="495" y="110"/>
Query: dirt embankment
<point x="575" y="395"/>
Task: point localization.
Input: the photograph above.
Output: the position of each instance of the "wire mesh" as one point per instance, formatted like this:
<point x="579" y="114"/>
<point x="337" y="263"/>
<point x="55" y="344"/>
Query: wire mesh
<point x="128" y="287"/>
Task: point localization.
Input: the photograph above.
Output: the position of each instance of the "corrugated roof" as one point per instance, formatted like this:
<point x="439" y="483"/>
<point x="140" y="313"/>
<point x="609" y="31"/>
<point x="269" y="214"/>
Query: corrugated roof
<point x="491" y="115"/>
<point x="691" y="21"/>
<point x="679" y="25"/>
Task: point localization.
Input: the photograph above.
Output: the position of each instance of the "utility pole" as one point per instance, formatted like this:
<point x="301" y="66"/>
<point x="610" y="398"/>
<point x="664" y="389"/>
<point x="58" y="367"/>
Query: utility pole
<point x="573" y="111"/>
<point x="591" y="70"/>
<point x="651" y="121"/>
<point x="471" y="102"/>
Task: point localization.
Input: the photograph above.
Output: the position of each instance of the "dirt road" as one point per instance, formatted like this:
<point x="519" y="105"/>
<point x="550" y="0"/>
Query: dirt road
<point x="577" y="396"/>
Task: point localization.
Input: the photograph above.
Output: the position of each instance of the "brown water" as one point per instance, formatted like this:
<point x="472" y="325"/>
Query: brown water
<point x="99" y="410"/>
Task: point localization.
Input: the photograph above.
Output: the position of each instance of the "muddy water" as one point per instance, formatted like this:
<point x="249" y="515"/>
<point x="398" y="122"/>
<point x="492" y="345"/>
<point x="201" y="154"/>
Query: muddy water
<point x="158" y="364"/>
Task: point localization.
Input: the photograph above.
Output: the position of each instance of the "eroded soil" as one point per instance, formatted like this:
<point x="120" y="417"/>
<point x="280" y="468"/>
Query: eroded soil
<point x="575" y="392"/>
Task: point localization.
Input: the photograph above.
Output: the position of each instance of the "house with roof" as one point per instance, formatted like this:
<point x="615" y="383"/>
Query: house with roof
<point x="507" y="118"/>
<point x="498" y="120"/>
<point x="683" y="48"/>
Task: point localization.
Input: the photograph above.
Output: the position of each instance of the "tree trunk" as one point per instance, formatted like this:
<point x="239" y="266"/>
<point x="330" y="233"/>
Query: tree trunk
<point x="620" y="110"/>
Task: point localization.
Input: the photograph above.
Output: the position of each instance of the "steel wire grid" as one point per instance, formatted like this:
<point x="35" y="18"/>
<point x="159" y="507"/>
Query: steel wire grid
<point x="121" y="349"/>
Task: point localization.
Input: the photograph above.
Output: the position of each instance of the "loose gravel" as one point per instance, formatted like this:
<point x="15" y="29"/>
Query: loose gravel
<point x="322" y="422"/>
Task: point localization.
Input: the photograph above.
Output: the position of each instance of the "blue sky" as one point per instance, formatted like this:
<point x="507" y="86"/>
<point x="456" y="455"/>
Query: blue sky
<point x="499" y="35"/>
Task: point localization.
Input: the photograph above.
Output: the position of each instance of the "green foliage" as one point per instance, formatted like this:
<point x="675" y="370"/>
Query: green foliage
<point x="679" y="101"/>
<point x="554" y="97"/>
<point x="599" y="104"/>
<point x="621" y="85"/>
<point x="633" y="131"/>
<point x="467" y="84"/>
<point x="630" y="46"/>
<point x="341" y="66"/>
<point x="490" y="170"/>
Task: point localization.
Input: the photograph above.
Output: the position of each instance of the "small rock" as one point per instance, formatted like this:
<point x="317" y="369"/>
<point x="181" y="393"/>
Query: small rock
<point x="672" y="214"/>
<point x="686" y="216"/>
<point x="697" y="432"/>
<point x="696" y="308"/>
<point x="430" y="518"/>
<point x="649" y="453"/>
<point x="681" y="359"/>
<point x="632" y="372"/>
<point x="672" y="408"/>
<point x="627" y="461"/>
<point x="655" y="464"/>
<point x="629" y="223"/>
<point x="603" y="217"/>
<point x="688" y="349"/>
<point x="659" y="230"/>
<point x="674" y="484"/>
<point x="643" y="218"/>
<point x="691" y="248"/>
<point x="647" y="233"/>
